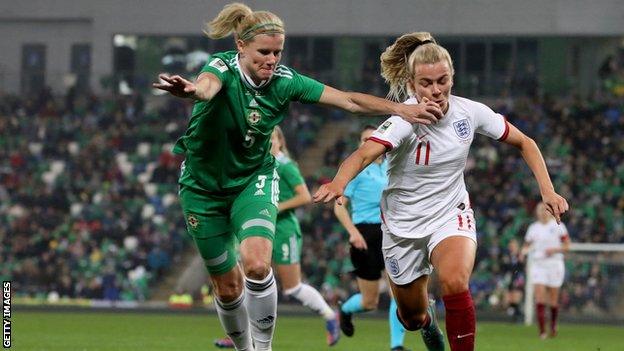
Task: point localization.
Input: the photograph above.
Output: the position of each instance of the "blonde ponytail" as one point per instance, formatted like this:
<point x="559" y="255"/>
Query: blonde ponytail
<point x="239" y="19"/>
<point x="227" y="20"/>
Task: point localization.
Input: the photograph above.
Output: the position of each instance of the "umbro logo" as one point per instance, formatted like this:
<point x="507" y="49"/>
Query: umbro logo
<point x="268" y="320"/>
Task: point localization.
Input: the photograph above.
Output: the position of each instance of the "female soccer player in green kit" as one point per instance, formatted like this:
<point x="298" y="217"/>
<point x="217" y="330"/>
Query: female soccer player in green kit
<point x="228" y="182"/>
<point x="288" y="241"/>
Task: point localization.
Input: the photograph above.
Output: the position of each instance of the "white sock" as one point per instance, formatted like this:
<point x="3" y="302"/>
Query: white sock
<point x="235" y="322"/>
<point x="311" y="298"/>
<point x="262" y="308"/>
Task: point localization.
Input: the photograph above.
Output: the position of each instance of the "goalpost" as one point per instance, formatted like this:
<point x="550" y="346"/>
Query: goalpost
<point x="595" y="272"/>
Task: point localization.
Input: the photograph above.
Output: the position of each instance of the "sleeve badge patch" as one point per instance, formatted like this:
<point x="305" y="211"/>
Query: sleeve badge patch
<point x="219" y="65"/>
<point x="384" y="127"/>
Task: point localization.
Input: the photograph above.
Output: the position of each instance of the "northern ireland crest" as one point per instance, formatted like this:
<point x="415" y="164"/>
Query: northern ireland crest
<point x="254" y="117"/>
<point x="192" y="221"/>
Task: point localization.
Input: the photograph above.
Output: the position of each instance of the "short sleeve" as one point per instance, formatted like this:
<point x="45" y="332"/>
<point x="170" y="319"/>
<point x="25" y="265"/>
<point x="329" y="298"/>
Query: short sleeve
<point x="216" y="66"/>
<point x="490" y="123"/>
<point x="303" y="89"/>
<point x="392" y="132"/>
<point x="563" y="231"/>
<point x="292" y="175"/>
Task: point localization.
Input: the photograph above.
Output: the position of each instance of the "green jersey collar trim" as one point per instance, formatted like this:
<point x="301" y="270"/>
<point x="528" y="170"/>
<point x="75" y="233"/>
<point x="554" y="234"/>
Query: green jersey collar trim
<point x="247" y="80"/>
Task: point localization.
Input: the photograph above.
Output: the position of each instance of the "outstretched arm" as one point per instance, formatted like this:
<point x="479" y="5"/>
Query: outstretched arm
<point x="205" y="87"/>
<point x="426" y="112"/>
<point x="302" y="197"/>
<point x="349" y="168"/>
<point x="554" y="202"/>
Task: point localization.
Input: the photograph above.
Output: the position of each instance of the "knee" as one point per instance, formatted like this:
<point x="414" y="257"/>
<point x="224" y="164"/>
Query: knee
<point x="370" y="303"/>
<point x="454" y="283"/>
<point x="413" y="321"/>
<point x="256" y="269"/>
<point x="229" y="291"/>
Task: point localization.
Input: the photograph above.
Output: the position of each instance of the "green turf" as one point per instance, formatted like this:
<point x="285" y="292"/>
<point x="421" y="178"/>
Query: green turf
<point x="133" y="331"/>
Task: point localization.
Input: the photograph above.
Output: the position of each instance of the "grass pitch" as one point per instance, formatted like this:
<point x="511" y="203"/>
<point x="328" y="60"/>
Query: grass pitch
<point x="99" y="331"/>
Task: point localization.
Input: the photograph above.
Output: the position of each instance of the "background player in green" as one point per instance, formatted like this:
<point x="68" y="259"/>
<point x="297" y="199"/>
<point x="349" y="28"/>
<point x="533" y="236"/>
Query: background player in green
<point x="288" y="240"/>
<point x="228" y="182"/>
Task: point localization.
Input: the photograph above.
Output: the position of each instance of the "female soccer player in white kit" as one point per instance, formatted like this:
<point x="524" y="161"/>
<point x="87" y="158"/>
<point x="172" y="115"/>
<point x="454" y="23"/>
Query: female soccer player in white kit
<point x="427" y="219"/>
<point x="547" y="240"/>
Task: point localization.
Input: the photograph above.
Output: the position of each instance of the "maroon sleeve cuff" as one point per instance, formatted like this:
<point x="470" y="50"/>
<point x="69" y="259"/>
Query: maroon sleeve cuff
<point x="506" y="132"/>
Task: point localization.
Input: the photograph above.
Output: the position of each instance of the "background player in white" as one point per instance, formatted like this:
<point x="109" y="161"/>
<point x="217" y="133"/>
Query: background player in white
<point x="547" y="240"/>
<point x="428" y="222"/>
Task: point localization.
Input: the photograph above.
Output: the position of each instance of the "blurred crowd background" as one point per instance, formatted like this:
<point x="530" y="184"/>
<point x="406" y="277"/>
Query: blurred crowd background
<point x="89" y="208"/>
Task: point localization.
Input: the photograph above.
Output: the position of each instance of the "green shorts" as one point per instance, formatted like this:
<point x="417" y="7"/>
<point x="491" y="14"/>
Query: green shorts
<point x="288" y="241"/>
<point x="218" y="222"/>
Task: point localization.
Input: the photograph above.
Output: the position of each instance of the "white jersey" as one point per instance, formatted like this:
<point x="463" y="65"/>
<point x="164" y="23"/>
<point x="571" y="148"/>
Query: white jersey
<point x="426" y="165"/>
<point x="543" y="236"/>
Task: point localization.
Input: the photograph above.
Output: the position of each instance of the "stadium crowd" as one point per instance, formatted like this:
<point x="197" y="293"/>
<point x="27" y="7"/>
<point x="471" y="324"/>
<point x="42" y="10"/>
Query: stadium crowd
<point x="89" y="209"/>
<point x="88" y="191"/>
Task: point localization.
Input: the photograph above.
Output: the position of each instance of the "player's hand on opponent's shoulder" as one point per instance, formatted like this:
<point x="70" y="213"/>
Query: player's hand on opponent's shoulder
<point x="328" y="192"/>
<point x="176" y="85"/>
<point x="425" y="112"/>
<point x="555" y="204"/>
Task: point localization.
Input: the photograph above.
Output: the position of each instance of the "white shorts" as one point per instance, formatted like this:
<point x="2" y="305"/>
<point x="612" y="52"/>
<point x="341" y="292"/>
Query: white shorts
<point x="549" y="273"/>
<point x="407" y="259"/>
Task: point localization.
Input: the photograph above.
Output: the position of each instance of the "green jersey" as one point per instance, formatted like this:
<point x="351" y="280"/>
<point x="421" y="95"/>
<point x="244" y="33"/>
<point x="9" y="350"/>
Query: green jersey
<point x="290" y="177"/>
<point x="228" y="139"/>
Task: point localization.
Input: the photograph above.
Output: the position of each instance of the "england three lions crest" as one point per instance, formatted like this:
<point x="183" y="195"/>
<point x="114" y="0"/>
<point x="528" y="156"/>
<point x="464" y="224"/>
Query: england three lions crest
<point x="462" y="129"/>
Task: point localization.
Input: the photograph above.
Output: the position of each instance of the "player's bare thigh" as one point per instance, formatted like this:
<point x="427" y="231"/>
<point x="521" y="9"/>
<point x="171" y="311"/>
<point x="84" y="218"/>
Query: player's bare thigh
<point x="453" y="259"/>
